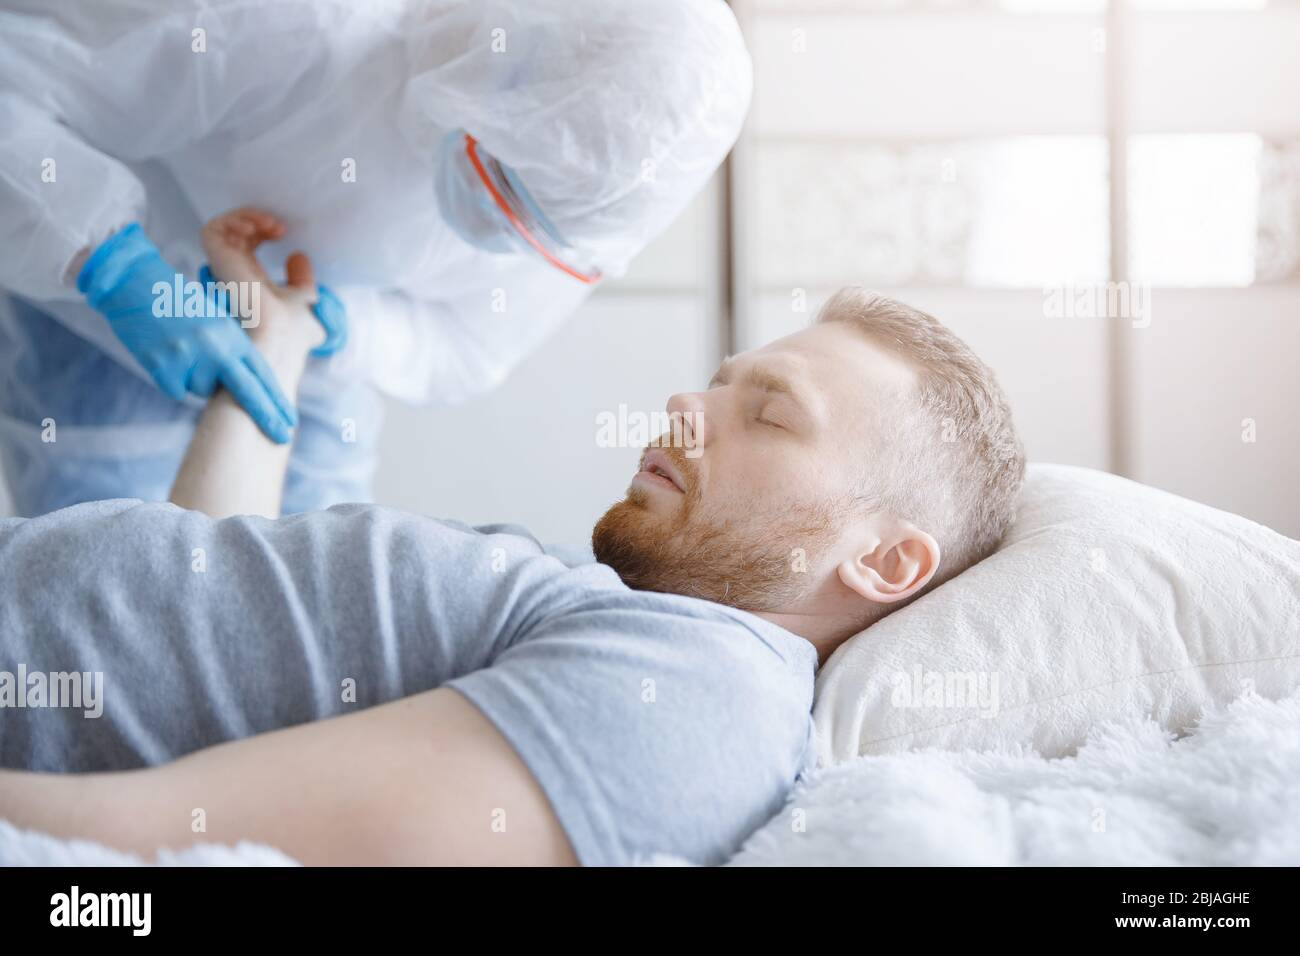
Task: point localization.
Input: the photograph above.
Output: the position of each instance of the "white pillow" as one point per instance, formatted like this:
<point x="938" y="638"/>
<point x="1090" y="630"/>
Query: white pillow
<point x="1107" y="599"/>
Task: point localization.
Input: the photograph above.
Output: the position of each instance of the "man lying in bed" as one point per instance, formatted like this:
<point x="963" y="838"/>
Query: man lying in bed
<point x="486" y="703"/>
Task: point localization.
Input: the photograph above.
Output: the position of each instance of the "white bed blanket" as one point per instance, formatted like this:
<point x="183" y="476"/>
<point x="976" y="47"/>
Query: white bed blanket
<point x="1228" y="794"/>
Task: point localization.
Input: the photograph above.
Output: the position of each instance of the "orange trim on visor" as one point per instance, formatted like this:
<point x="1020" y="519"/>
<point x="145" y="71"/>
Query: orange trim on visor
<point x="471" y="147"/>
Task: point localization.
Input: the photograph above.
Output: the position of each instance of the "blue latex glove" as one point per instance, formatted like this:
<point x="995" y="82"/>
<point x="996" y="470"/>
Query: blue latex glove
<point x="331" y="314"/>
<point x="182" y="353"/>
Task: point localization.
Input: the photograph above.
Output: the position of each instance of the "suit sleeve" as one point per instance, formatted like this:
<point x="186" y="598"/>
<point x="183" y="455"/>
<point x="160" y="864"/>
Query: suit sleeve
<point x="446" y="351"/>
<point x="83" y="87"/>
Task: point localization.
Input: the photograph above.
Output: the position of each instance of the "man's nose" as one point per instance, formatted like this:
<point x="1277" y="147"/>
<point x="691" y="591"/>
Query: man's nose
<point x="688" y="409"/>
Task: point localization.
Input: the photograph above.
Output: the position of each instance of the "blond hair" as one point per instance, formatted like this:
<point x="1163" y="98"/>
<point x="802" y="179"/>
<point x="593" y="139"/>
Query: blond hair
<point x="954" y="470"/>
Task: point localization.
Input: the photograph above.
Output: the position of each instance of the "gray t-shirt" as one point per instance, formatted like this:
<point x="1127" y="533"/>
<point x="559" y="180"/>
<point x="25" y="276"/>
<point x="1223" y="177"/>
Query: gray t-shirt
<point x="653" y="722"/>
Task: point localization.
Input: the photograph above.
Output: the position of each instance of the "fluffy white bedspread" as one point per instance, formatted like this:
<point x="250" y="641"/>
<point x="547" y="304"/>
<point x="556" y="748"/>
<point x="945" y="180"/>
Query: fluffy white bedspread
<point x="1226" y="794"/>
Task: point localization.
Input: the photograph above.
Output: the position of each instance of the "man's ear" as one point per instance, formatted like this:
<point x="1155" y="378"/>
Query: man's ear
<point x="901" y="562"/>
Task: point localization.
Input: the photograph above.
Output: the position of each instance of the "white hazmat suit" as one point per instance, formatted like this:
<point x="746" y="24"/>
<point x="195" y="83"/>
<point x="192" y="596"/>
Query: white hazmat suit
<point x="334" y="115"/>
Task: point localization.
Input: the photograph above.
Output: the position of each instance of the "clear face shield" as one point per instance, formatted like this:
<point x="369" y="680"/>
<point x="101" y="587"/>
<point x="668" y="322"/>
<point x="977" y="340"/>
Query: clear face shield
<point x="487" y="206"/>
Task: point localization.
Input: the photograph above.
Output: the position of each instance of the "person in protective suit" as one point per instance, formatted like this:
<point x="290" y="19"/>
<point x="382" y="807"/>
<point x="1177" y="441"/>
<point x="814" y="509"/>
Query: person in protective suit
<point x="461" y="174"/>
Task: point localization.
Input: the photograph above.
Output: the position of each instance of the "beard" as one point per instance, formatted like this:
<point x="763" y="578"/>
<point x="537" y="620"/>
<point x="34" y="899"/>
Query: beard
<point x="751" y="559"/>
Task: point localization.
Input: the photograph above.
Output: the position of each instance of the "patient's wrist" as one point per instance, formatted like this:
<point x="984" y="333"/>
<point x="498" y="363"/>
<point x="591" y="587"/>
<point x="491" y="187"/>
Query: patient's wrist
<point x="285" y="334"/>
<point x="286" y="325"/>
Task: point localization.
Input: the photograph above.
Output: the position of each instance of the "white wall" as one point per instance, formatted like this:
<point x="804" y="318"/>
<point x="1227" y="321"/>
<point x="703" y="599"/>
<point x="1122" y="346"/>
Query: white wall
<point x="1212" y="362"/>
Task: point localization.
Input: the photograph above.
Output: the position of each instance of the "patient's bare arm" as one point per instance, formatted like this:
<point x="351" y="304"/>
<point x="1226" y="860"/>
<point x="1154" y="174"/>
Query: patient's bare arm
<point x="230" y="467"/>
<point x="423" y="780"/>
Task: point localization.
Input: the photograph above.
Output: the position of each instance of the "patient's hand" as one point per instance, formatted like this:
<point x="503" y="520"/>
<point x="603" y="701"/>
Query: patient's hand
<point x="283" y="325"/>
<point x="230" y="467"/>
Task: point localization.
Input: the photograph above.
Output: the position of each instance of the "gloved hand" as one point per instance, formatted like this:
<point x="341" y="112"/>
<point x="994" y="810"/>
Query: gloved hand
<point x="329" y="311"/>
<point x="182" y="353"/>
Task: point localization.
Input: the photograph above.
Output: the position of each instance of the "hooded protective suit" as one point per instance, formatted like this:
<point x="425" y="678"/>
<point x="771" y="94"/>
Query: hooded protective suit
<point x="336" y="116"/>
